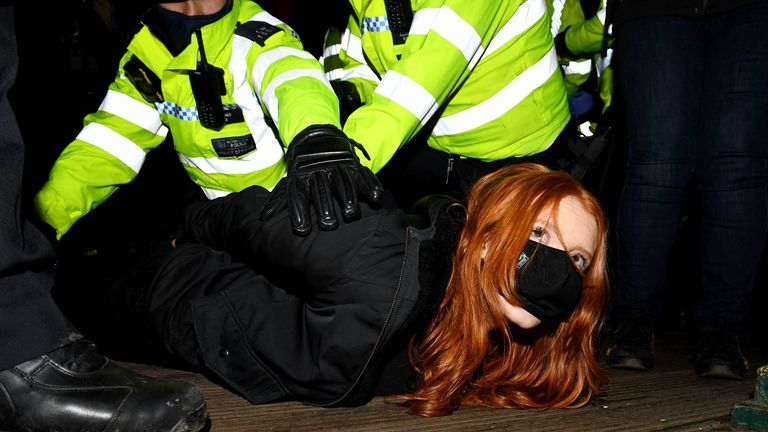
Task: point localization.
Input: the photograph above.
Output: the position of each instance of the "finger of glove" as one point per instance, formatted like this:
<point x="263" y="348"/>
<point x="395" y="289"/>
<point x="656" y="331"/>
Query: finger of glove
<point x="368" y="185"/>
<point x="276" y="201"/>
<point x="346" y="195"/>
<point x="320" y="189"/>
<point x="298" y="208"/>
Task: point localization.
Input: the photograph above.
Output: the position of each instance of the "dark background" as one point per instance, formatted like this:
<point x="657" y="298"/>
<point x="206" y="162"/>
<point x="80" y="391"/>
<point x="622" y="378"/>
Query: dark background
<point x="68" y="56"/>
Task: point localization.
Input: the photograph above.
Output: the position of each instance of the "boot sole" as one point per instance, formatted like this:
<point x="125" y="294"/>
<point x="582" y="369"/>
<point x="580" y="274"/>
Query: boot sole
<point x="720" y="372"/>
<point x="630" y="363"/>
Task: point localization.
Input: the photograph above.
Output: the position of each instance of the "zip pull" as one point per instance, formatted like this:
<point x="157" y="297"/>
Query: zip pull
<point x="449" y="168"/>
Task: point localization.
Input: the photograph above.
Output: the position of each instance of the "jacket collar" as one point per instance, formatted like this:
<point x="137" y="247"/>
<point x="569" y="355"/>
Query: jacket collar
<point x="216" y="38"/>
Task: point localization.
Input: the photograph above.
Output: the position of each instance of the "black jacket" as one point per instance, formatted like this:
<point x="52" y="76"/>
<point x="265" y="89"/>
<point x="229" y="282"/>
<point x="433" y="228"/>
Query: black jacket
<point x="313" y="318"/>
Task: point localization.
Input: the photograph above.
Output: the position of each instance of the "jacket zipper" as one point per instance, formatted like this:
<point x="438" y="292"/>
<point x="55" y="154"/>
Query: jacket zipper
<point x="383" y="328"/>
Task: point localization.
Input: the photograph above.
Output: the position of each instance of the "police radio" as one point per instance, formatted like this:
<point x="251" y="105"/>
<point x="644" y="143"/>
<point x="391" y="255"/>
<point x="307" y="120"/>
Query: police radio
<point x="207" y="83"/>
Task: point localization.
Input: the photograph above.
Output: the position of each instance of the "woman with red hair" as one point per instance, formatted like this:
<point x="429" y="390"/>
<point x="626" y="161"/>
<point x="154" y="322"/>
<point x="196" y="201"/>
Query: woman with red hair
<point x="510" y="333"/>
<point x="501" y="297"/>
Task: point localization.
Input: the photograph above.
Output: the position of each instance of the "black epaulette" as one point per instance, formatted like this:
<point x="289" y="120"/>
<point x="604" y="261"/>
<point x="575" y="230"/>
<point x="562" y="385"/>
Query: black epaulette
<point x="257" y="31"/>
<point x="145" y="81"/>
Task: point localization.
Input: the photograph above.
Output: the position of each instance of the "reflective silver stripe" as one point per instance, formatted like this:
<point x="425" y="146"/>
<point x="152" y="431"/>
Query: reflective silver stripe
<point x="269" y="58"/>
<point x="450" y="26"/>
<point x="578" y="67"/>
<point x="586" y="129"/>
<point x="557" y="16"/>
<point x="214" y="193"/>
<point x="604" y="62"/>
<point x="269" y="150"/>
<point x="332" y="50"/>
<point x="248" y="164"/>
<point x="409" y="94"/>
<point x="130" y="109"/>
<point x="476" y="59"/>
<point x="113" y="143"/>
<point x="526" y="15"/>
<point x="353" y="45"/>
<point x="503" y="101"/>
<point x="269" y="97"/>
<point x="362" y="71"/>
<point x="422" y="21"/>
<point x="601" y="15"/>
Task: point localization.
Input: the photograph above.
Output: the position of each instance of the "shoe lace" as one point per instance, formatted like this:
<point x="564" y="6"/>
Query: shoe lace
<point x="79" y="356"/>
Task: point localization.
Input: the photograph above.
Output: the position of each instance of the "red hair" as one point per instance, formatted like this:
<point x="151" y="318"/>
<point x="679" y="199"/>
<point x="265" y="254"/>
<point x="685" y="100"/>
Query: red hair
<point x="470" y="354"/>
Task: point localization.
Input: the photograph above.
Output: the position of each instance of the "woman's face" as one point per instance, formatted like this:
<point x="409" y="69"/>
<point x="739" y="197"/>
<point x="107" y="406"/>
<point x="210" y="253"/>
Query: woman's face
<point x="578" y="229"/>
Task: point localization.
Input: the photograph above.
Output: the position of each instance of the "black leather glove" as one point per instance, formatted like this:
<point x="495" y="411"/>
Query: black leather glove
<point x="322" y="164"/>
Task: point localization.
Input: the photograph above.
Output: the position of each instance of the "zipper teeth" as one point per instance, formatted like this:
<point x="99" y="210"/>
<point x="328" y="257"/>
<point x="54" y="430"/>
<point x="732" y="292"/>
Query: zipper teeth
<point x="383" y="328"/>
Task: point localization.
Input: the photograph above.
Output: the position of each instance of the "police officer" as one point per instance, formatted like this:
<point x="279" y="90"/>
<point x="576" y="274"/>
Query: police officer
<point x="233" y="87"/>
<point x="579" y="29"/>
<point x="584" y="49"/>
<point x="473" y="85"/>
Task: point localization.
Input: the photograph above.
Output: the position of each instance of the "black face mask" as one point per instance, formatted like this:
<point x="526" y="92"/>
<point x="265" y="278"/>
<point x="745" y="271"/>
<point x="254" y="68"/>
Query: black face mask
<point x="548" y="283"/>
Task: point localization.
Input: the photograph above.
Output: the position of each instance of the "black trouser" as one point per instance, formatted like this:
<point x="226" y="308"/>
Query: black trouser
<point x="418" y="170"/>
<point x="303" y="320"/>
<point x="30" y="322"/>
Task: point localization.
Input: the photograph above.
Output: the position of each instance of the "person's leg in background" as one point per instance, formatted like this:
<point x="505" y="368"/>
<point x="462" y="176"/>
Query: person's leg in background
<point x="732" y="171"/>
<point x="659" y="62"/>
<point x="27" y="259"/>
<point x="50" y="378"/>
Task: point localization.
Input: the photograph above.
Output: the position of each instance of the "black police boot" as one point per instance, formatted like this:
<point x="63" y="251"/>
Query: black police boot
<point x="74" y="388"/>
<point x="632" y="346"/>
<point x="719" y="355"/>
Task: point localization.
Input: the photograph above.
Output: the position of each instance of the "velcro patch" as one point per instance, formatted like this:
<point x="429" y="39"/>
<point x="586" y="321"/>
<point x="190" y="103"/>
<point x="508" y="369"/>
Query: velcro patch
<point x="234" y="115"/>
<point x="257" y="31"/>
<point x="234" y="146"/>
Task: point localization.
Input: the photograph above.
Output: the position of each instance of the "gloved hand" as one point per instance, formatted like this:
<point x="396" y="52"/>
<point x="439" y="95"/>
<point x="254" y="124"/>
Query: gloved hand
<point x="322" y="163"/>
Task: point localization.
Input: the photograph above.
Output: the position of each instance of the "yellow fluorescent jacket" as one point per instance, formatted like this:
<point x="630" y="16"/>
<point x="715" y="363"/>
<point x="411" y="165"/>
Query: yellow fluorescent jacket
<point x="278" y="81"/>
<point x="482" y="75"/>
<point x="584" y="39"/>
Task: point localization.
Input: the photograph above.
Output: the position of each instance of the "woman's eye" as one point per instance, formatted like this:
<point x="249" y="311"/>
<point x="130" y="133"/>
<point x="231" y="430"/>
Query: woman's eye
<point x="580" y="262"/>
<point x="538" y="234"/>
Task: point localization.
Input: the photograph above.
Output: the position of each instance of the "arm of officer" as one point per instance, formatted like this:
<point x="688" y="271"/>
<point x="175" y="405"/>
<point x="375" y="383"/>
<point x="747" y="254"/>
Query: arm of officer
<point x="322" y="165"/>
<point x="583" y="38"/>
<point x="444" y="44"/>
<point x="108" y="152"/>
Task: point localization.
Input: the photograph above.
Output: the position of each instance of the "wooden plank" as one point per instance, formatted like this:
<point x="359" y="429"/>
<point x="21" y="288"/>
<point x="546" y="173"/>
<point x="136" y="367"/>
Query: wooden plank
<point x="670" y="398"/>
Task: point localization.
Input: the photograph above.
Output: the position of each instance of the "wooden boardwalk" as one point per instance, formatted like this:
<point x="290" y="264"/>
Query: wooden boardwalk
<point x="670" y="398"/>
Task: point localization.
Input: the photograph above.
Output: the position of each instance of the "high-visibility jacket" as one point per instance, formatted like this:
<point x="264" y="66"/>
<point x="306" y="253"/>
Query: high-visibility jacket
<point x="583" y="43"/>
<point x="481" y="75"/>
<point x="274" y="89"/>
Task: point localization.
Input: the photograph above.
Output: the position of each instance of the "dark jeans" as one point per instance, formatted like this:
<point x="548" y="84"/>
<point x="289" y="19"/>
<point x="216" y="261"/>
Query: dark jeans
<point x="30" y="323"/>
<point x="697" y="108"/>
